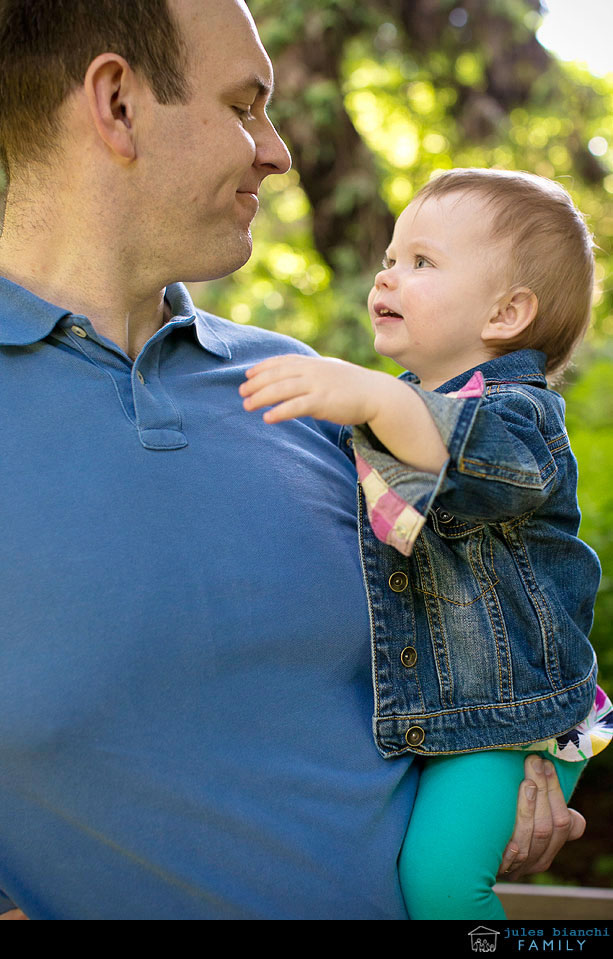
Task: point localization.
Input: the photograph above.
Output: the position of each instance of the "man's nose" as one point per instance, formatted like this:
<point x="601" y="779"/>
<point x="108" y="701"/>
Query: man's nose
<point x="272" y="154"/>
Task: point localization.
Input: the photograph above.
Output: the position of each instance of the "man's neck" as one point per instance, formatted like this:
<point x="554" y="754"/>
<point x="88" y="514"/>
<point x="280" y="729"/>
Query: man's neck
<point x="49" y="251"/>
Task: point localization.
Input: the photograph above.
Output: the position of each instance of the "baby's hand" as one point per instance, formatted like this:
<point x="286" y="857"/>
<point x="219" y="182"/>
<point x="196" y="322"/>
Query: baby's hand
<point x="295" y="386"/>
<point x="326" y="389"/>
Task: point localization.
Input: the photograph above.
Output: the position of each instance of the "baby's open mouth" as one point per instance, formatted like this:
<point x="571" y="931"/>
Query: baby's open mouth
<point x="385" y="311"/>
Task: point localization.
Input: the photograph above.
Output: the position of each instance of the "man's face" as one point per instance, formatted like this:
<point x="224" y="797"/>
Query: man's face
<point x="210" y="155"/>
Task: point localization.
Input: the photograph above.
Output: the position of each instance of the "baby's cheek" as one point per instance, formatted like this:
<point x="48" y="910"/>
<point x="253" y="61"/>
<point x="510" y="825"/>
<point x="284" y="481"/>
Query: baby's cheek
<point x="371" y="300"/>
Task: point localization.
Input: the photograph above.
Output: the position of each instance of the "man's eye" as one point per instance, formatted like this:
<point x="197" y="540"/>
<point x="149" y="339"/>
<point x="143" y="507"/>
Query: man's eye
<point x="243" y="113"/>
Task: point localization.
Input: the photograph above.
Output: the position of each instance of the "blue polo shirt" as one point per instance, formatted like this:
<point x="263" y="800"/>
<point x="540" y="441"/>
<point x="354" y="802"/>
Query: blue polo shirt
<point x="185" y="679"/>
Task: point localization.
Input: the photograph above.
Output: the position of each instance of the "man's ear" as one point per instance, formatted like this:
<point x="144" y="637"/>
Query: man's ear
<point x="109" y="86"/>
<point x="515" y="312"/>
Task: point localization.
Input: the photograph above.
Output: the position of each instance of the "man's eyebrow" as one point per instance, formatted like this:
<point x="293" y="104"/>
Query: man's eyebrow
<point x="255" y="82"/>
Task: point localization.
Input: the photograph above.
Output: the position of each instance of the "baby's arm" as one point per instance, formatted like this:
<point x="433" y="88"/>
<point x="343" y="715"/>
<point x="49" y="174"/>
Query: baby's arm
<point x="333" y="390"/>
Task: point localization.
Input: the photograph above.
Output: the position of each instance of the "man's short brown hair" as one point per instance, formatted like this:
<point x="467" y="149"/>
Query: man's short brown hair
<point x="46" y="47"/>
<point x="551" y="253"/>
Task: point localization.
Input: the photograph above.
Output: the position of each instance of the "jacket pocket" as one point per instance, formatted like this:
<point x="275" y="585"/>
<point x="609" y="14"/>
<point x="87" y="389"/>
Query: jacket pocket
<point x="453" y="560"/>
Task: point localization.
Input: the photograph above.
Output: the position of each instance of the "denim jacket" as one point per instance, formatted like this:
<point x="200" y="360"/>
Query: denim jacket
<point x="481" y="595"/>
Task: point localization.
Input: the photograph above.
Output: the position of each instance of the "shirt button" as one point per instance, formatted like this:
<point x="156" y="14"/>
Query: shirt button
<point x="141" y="378"/>
<point x="415" y="736"/>
<point x="408" y="656"/>
<point x="79" y="331"/>
<point x="398" y="581"/>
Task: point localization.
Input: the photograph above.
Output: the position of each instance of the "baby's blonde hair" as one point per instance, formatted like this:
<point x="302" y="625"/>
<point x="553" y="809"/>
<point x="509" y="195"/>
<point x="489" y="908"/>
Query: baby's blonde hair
<point x="551" y="253"/>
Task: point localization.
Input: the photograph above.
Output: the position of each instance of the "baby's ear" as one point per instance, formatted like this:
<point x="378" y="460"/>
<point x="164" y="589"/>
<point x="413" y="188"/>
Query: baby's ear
<point x="515" y="312"/>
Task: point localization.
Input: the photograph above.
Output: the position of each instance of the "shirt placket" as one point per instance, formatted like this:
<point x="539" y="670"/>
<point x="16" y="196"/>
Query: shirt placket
<point x="145" y="399"/>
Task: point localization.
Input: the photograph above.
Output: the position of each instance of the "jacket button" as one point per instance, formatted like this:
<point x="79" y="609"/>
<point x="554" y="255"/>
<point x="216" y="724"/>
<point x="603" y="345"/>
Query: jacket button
<point x="408" y="656"/>
<point x="415" y="736"/>
<point x="398" y="581"/>
<point x="444" y="516"/>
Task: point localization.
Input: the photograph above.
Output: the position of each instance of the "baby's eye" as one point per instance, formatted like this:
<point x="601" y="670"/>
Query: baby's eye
<point x="420" y="262"/>
<point x="387" y="263"/>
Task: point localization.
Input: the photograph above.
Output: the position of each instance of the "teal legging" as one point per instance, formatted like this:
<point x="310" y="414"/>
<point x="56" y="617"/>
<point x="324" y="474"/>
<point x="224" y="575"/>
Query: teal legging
<point x="461" y="822"/>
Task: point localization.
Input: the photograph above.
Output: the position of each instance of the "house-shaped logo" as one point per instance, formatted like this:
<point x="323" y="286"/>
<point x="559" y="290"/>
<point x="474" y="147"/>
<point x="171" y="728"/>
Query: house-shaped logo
<point x="483" y="939"/>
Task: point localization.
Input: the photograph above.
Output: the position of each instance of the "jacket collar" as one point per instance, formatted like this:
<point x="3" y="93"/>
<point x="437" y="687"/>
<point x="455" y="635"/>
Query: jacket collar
<point x="26" y="319"/>
<point x="521" y="366"/>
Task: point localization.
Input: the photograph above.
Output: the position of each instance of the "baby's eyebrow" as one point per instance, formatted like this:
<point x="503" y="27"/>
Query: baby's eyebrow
<point x="423" y="243"/>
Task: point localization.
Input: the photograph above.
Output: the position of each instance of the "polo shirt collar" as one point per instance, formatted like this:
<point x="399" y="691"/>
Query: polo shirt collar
<point x="26" y="319"/>
<point x="182" y="307"/>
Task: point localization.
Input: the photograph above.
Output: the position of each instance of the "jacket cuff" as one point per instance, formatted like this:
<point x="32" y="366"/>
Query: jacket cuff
<point x="398" y="497"/>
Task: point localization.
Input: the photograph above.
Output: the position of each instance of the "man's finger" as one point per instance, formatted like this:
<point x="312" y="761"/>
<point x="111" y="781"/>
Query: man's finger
<point x="544" y="826"/>
<point x="519" y="844"/>
<point x="564" y="823"/>
<point x="533" y="825"/>
<point x="533" y="850"/>
<point x="577" y="826"/>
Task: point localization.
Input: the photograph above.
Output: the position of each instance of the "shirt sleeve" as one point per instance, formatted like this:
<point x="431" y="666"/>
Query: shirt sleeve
<point x="500" y="464"/>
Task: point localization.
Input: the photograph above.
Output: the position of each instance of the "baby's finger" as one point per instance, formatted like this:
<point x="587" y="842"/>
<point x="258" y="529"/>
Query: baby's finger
<point x="271" y="362"/>
<point x="291" y="409"/>
<point x="270" y="375"/>
<point x="273" y="393"/>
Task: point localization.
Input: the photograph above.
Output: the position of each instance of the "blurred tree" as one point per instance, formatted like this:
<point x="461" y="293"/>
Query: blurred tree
<point x="484" y="55"/>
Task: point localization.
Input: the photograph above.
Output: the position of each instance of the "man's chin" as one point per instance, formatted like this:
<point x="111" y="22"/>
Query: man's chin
<point x="223" y="262"/>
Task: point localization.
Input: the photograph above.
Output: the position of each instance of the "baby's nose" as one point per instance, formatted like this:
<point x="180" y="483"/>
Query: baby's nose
<point x="384" y="278"/>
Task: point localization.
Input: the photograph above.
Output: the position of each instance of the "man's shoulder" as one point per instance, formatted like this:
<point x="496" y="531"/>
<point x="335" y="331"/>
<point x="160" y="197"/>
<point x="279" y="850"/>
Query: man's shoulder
<point x="245" y="340"/>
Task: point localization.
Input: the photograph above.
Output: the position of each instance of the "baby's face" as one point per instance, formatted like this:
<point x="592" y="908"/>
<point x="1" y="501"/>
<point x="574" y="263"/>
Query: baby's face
<point x="442" y="281"/>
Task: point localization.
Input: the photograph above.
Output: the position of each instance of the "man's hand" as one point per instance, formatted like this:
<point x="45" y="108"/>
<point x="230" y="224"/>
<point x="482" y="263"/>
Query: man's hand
<point x="13" y="914"/>
<point x="543" y="824"/>
<point x="326" y="389"/>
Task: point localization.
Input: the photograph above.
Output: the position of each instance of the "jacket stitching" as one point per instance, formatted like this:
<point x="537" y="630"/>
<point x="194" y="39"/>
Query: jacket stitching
<point x="528" y="474"/>
<point x="555" y="694"/>
<point x="544" y="617"/>
<point x="447" y="696"/>
<point x="455" y="602"/>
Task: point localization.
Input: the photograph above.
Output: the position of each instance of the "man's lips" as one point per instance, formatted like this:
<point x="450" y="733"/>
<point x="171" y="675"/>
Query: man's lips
<point x="249" y="201"/>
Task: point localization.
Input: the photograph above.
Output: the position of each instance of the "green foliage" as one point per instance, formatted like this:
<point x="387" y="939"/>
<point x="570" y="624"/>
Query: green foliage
<point x="589" y="418"/>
